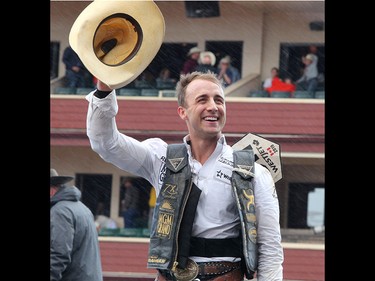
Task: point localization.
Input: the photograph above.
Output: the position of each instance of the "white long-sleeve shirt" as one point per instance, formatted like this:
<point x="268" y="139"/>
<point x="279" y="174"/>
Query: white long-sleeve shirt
<point x="216" y="214"/>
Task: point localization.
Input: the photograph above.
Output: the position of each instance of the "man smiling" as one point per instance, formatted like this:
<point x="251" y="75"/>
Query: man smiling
<point x="217" y="245"/>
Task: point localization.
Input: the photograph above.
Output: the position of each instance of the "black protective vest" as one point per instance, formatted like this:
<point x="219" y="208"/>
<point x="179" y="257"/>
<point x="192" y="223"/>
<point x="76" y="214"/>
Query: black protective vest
<point x="175" y="209"/>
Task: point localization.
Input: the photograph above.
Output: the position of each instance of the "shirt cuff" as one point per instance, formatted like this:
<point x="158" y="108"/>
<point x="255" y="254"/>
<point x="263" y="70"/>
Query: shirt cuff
<point x="101" y="94"/>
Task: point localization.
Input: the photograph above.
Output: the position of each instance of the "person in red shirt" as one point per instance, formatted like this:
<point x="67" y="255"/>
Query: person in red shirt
<point x="279" y="85"/>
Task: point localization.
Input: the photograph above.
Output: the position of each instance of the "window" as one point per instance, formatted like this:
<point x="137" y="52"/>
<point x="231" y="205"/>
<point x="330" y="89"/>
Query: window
<point x="305" y="205"/>
<point x="290" y="59"/>
<point x="171" y="56"/>
<point x="223" y="48"/>
<point x="134" y="202"/>
<point x="315" y="207"/>
<point x="96" y="192"/>
<point x="54" y="59"/>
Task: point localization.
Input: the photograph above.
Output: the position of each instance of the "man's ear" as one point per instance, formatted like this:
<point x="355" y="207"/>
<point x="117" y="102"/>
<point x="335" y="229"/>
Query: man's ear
<point x="52" y="190"/>
<point x="181" y="112"/>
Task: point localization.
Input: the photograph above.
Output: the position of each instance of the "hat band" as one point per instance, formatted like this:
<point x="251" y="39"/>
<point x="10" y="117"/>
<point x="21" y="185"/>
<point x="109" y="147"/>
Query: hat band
<point x="117" y="39"/>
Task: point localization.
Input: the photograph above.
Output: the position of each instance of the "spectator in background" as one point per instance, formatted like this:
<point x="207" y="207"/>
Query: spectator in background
<point x="102" y="218"/>
<point x="164" y="79"/>
<point x="277" y="84"/>
<point x="145" y="80"/>
<point x="207" y="62"/>
<point x="103" y="221"/>
<point x="75" y="72"/>
<point x="313" y="50"/>
<point x="192" y="62"/>
<point x="289" y="85"/>
<point x="228" y="74"/>
<point x="274" y="75"/>
<point x="135" y="205"/>
<point x="74" y="245"/>
<point x="281" y="86"/>
<point x="309" y="79"/>
<point x="234" y="70"/>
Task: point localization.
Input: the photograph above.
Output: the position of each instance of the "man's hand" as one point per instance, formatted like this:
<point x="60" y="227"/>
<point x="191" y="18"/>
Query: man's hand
<point x="101" y="86"/>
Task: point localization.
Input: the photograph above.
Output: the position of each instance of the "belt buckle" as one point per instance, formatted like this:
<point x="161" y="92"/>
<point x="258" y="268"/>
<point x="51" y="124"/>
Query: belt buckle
<point x="189" y="273"/>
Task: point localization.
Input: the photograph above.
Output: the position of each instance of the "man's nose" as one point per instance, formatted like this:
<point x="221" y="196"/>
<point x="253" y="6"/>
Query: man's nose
<point x="212" y="105"/>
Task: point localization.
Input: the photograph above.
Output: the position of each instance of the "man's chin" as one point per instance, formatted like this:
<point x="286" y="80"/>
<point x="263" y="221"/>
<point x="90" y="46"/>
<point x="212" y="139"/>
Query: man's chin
<point x="213" y="133"/>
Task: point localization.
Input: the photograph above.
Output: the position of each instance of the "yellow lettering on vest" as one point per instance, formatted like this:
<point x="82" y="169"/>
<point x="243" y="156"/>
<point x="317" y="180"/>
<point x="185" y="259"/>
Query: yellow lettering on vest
<point x="250" y="197"/>
<point x="165" y="222"/>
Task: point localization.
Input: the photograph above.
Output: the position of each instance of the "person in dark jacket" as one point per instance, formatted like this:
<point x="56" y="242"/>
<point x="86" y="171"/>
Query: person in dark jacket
<point x="75" y="72"/>
<point x="192" y="62"/>
<point x="74" y="247"/>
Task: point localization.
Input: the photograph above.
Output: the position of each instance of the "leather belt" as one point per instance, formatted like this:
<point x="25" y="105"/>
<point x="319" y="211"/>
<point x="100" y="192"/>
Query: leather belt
<point x="213" y="271"/>
<point x="217" y="268"/>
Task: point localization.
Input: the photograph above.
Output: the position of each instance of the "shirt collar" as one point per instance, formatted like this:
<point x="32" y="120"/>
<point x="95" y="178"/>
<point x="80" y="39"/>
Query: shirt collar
<point x="221" y="144"/>
<point x="221" y="140"/>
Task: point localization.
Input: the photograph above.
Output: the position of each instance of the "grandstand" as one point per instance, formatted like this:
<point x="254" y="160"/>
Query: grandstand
<point x="263" y="34"/>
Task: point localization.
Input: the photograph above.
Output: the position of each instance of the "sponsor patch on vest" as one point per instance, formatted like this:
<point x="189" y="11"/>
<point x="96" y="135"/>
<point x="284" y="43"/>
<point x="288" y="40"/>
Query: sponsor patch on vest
<point x="164" y="224"/>
<point x="253" y="234"/>
<point x="175" y="162"/>
<point x="156" y="260"/>
<point x="250" y="217"/>
<point x="248" y="200"/>
<point x="170" y="191"/>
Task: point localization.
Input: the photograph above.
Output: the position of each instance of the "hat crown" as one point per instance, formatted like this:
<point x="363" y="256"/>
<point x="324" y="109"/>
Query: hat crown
<point x="207" y="54"/>
<point x="225" y="59"/>
<point x="194" y="50"/>
<point x="56" y="180"/>
<point x="54" y="173"/>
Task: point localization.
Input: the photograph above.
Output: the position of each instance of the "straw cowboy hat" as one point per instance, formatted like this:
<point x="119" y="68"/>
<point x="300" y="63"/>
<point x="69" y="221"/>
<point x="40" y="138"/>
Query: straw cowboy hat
<point x="225" y="59"/>
<point x="117" y="40"/>
<point x="193" y="50"/>
<point x="207" y="53"/>
<point x="57" y="180"/>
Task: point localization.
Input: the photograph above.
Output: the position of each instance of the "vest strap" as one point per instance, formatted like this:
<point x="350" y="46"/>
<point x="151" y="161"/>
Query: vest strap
<point x="187" y="226"/>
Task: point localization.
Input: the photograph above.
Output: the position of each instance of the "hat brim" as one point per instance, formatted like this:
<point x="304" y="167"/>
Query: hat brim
<point x="145" y="13"/>
<point x="58" y="180"/>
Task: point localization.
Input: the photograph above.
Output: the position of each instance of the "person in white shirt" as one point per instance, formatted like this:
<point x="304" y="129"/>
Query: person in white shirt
<point x="201" y="104"/>
<point x="268" y="82"/>
<point x="309" y="79"/>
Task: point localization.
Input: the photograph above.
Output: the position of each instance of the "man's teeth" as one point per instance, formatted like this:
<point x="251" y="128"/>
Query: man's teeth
<point x="210" y="118"/>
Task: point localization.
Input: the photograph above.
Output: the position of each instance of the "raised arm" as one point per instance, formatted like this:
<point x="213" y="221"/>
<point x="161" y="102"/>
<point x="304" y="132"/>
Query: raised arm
<point x="113" y="146"/>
